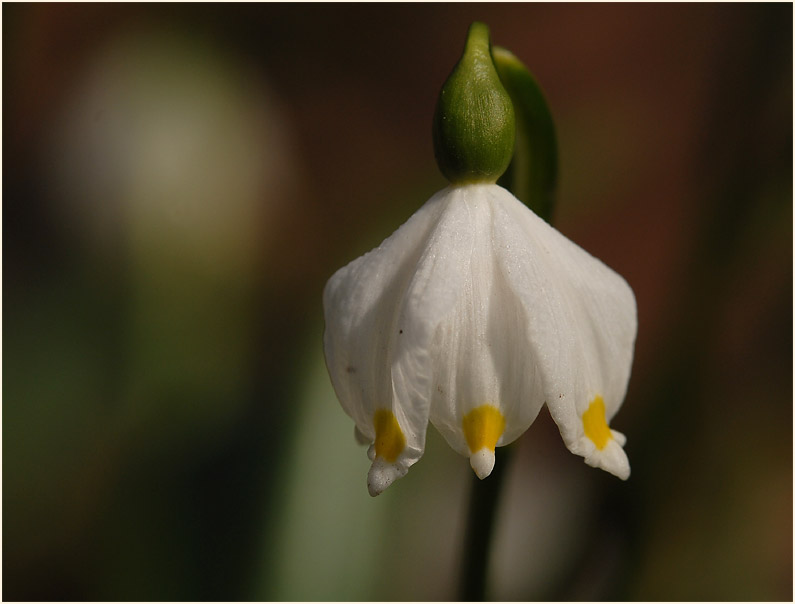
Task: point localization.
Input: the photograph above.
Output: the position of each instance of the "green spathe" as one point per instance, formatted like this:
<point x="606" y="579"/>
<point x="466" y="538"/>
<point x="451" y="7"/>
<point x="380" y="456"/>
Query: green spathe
<point x="532" y="175"/>
<point x="474" y="126"/>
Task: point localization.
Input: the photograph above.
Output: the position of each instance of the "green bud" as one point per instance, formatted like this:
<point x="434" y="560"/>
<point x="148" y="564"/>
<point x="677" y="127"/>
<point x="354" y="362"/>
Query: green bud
<point x="473" y="127"/>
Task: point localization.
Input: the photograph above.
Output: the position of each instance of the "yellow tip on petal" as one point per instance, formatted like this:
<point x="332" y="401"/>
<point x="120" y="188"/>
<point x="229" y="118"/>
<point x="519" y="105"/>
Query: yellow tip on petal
<point x="483" y="427"/>
<point x="593" y="420"/>
<point x="389" y="439"/>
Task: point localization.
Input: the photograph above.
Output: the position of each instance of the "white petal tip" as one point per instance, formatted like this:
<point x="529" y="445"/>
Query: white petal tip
<point x="381" y="475"/>
<point x="371" y="452"/>
<point x="620" y="470"/>
<point x="619" y="437"/>
<point x="611" y="459"/>
<point x="482" y="462"/>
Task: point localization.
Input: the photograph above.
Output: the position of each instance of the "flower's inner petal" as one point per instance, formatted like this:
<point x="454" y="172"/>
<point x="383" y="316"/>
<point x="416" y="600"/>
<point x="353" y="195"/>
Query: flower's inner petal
<point x="595" y="424"/>
<point x="389" y="438"/>
<point x="421" y="302"/>
<point x="483" y="428"/>
<point x="581" y="320"/>
<point x="601" y="446"/>
<point x="522" y="393"/>
<point x="362" y="302"/>
<point x="481" y="357"/>
<point x="382" y="311"/>
<point x="385" y="453"/>
<point x="436" y="284"/>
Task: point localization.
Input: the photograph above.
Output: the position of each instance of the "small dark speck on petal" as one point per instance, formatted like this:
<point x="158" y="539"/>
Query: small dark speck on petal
<point x="401" y="331"/>
<point x="350" y="369"/>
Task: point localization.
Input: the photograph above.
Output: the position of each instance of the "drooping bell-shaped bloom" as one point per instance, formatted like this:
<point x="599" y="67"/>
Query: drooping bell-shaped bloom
<point x="476" y="312"/>
<point x="472" y="316"/>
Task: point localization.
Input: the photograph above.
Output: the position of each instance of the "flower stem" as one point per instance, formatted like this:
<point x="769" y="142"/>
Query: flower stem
<point x="532" y="178"/>
<point x="480" y="524"/>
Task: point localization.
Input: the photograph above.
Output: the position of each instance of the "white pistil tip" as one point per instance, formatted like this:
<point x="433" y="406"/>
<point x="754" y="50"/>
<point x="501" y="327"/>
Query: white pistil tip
<point x="381" y="475"/>
<point x="482" y="462"/>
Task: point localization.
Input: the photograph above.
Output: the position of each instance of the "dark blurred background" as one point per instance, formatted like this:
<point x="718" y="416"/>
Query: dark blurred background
<point x="179" y="181"/>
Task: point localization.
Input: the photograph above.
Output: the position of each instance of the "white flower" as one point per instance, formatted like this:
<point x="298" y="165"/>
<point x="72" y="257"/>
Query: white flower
<point x="473" y="315"/>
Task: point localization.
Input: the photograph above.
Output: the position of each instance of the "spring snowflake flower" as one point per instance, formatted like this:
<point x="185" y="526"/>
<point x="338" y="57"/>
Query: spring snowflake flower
<point x="473" y="315"/>
<point x="476" y="312"/>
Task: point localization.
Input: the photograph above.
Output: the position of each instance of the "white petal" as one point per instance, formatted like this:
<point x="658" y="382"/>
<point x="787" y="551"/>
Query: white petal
<point x="480" y="353"/>
<point x="360" y="438"/>
<point x="381" y="311"/>
<point x="382" y="474"/>
<point x="581" y="320"/>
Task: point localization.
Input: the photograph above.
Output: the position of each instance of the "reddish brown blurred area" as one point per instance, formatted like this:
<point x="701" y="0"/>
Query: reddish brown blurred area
<point x="675" y="135"/>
